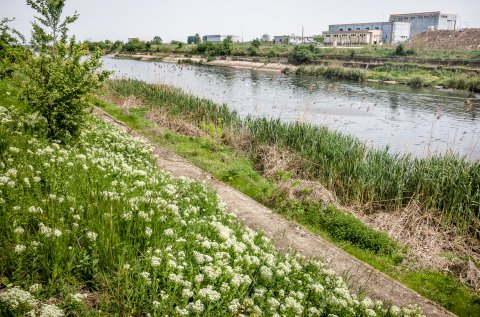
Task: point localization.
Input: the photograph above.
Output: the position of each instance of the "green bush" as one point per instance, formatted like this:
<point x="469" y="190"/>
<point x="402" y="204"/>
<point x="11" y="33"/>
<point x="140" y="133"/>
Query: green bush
<point x="57" y="80"/>
<point x="303" y="54"/>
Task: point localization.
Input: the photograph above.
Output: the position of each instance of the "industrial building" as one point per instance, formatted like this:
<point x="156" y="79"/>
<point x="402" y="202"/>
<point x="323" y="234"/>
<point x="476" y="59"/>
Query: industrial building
<point x="219" y="38"/>
<point x="292" y="39"/>
<point x="392" y="32"/>
<point x="424" y="21"/>
<point x="349" y="37"/>
<point x="399" y="28"/>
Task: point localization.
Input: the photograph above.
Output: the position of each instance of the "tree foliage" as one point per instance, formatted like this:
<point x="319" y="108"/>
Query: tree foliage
<point x="194" y="39"/>
<point x="256" y="43"/>
<point x="10" y="51"/>
<point x="304" y="54"/>
<point x="60" y="77"/>
<point x="157" y="40"/>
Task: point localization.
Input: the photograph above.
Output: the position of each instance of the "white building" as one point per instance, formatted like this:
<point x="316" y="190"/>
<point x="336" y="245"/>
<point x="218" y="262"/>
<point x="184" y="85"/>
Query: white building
<point x="292" y="39"/>
<point x="219" y="38"/>
<point x="392" y="32"/>
<point x="424" y="21"/>
<point x="353" y="38"/>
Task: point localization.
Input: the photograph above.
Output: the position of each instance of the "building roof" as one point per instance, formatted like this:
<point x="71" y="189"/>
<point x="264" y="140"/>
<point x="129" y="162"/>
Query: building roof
<point x="291" y="35"/>
<point x="360" y="23"/>
<point x="354" y="31"/>
<point x="425" y="12"/>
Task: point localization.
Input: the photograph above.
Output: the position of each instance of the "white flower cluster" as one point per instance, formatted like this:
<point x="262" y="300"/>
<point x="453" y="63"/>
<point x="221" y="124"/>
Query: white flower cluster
<point x="14" y="297"/>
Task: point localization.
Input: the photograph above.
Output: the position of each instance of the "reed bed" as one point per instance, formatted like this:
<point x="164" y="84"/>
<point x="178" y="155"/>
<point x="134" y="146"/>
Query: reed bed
<point x="353" y="171"/>
<point x="332" y="72"/>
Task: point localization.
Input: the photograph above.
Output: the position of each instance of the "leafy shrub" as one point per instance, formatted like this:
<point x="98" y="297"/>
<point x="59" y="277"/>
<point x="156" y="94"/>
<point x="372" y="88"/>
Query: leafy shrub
<point x="303" y="54"/>
<point x="57" y="80"/>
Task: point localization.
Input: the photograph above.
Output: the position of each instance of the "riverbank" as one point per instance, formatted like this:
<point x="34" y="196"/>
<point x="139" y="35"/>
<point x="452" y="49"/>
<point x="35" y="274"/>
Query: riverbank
<point x="96" y="228"/>
<point x="299" y="195"/>
<point x="461" y="78"/>
<point x="285" y="234"/>
<point x="198" y="60"/>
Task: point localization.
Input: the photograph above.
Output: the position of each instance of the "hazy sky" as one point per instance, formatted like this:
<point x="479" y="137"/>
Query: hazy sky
<point x="176" y="19"/>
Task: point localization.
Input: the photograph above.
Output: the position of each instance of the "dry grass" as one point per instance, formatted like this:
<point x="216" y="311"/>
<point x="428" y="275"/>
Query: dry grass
<point x="125" y="103"/>
<point x="178" y="125"/>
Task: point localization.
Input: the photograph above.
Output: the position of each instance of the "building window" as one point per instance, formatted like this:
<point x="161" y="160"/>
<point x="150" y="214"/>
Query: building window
<point x="341" y="29"/>
<point x="377" y="28"/>
<point x="349" y="29"/>
<point x="367" y="28"/>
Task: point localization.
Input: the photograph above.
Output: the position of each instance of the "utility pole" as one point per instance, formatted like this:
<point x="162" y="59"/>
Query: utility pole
<point x="303" y="41"/>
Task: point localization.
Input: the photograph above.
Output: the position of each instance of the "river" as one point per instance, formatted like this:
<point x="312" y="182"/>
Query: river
<point x="422" y="122"/>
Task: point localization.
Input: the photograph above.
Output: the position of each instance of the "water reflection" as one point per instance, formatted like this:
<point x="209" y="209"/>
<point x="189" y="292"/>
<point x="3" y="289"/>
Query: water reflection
<point x="420" y="121"/>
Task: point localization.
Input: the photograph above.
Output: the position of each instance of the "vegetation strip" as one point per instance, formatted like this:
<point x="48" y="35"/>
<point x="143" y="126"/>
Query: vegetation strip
<point x="238" y="171"/>
<point x="286" y="235"/>
<point x="346" y="166"/>
<point x="94" y="229"/>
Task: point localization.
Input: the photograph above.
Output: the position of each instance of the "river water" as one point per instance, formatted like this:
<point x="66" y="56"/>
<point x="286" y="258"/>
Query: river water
<point x="418" y="121"/>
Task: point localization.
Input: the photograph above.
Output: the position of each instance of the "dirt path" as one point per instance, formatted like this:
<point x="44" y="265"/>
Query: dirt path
<point x="359" y="275"/>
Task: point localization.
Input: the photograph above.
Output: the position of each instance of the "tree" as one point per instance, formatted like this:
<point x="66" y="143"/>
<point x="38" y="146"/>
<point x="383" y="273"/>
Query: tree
<point x="227" y="45"/>
<point x="194" y="39"/>
<point x="157" y="40"/>
<point x="256" y="43"/>
<point x="10" y="52"/>
<point x="59" y="78"/>
<point x="266" y="38"/>
<point x="303" y="54"/>
<point x="134" y="45"/>
<point x="318" y="38"/>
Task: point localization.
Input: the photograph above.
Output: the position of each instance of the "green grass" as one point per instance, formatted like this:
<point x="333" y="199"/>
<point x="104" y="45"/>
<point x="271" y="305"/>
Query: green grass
<point x="334" y="225"/>
<point x="453" y="295"/>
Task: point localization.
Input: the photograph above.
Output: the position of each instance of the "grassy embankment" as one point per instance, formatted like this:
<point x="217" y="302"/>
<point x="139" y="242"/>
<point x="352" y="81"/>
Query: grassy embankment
<point x="93" y="228"/>
<point x="346" y="166"/>
<point x="270" y="50"/>
<point x="405" y="74"/>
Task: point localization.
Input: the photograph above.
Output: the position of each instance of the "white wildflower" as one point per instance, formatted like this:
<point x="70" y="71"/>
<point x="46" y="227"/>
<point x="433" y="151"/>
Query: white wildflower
<point x="209" y="294"/>
<point x="92" y="236"/>
<point x="19" y="230"/>
<point x="148" y="231"/>
<point x="146" y="277"/>
<point x="35" y="288"/>
<point x="155" y="261"/>
<point x="79" y="297"/>
<point x="19" y="248"/>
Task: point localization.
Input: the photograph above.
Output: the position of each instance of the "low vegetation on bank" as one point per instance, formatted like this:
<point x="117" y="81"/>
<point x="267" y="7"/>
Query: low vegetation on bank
<point x="346" y="166"/>
<point x="84" y="218"/>
<point x="217" y="141"/>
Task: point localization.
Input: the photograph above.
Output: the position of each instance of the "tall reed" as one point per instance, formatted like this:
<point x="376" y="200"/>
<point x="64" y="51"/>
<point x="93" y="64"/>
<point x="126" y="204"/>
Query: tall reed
<point x="345" y="165"/>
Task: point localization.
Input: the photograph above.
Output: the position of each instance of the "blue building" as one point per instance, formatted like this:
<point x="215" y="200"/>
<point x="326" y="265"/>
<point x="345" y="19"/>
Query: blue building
<point x="392" y="32"/>
<point x="424" y="21"/>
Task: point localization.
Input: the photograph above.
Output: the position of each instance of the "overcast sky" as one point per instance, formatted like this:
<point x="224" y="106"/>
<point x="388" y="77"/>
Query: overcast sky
<point x="176" y="19"/>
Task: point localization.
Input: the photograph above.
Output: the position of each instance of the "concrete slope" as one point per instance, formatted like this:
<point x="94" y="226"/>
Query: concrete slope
<point x="360" y="276"/>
